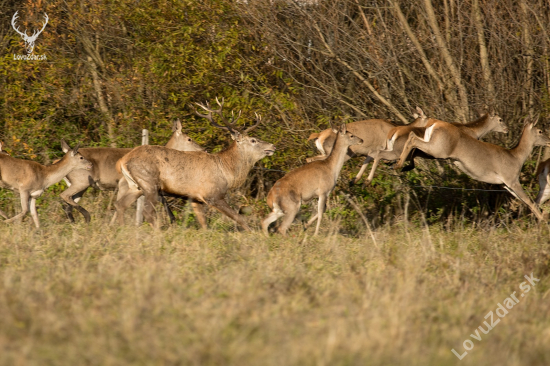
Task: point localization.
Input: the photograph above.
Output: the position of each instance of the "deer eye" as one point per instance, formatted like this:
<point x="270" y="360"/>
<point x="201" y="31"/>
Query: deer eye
<point x="189" y="140"/>
<point x="81" y="158"/>
<point x="253" y="141"/>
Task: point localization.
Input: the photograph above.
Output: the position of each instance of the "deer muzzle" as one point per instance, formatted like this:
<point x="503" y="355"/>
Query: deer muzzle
<point x="270" y="151"/>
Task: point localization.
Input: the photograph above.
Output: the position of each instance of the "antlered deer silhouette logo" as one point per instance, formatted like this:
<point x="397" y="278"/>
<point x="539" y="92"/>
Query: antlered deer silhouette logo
<point x="29" y="40"/>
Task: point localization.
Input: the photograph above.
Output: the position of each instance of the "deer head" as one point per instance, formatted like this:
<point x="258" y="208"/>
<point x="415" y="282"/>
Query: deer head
<point x="181" y="141"/>
<point x="73" y="157"/>
<point x="29" y="40"/>
<point x="252" y="146"/>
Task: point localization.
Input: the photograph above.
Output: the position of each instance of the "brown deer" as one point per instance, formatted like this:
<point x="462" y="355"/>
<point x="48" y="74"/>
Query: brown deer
<point x="543" y="176"/>
<point x="30" y="179"/>
<point x="397" y="137"/>
<point x="104" y="175"/>
<point x="373" y="132"/>
<point x="482" y="161"/>
<point x="205" y="178"/>
<point x="316" y="179"/>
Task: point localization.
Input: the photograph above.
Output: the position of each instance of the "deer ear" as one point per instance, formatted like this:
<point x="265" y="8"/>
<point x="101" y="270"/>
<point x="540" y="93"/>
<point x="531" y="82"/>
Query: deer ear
<point x="237" y="136"/>
<point x="176" y="126"/>
<point x="420" y="112"/>
<point x="343" y="129"/>
<point x="75" y="150"/>
<point x="65" y="147"/>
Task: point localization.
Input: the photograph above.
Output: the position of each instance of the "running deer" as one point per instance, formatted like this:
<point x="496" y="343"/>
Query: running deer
<point x="399" y="135"/>
<point x="204" y="178"/>
<point x="482" y="161"/>
<point x="316" y="179"/>
<point x="374" y="133"/>
<point x="30" y="179"/>
<point x="543" y="176"/>
<point x="104" y="175"/>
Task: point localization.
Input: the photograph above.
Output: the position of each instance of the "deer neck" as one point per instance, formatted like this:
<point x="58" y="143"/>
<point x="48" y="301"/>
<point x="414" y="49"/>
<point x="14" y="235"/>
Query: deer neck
<point x="338" y="155"/>
<point x="55" y="172"/>
<point x="479" y="128"/>
<point x="524" y="147"/>
<point x="235" y="165"/>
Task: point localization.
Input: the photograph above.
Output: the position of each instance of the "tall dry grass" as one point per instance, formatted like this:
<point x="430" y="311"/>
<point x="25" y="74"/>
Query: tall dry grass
<point x="95" y="295"/>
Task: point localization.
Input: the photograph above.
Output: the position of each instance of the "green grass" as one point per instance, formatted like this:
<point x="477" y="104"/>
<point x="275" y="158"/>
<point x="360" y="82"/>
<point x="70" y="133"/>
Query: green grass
<point x="95" y="295"/>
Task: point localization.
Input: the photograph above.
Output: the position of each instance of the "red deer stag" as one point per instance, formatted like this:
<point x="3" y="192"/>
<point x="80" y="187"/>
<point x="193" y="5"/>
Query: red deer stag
<point x="482" y="161"/>
<point x="316" y="179"/>
<point x="104" y="174"/>
<point x="205" y="178"/>
<point x="373" y="132"/>
<point x="30" y="178"/>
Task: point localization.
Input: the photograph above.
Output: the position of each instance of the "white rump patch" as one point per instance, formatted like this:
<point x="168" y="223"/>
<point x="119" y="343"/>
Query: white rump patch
<point x="428" y="133"/>
<point x="131" y="182"/>
<point x="319" y="145"/>
<point x="390" y="142"/>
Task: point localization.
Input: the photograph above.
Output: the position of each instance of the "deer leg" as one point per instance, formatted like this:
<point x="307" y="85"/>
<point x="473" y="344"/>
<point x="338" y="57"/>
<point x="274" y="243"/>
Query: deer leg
<point x="321" y="207"/>
<point x="198" y="209"/>
<point x="517" y="190"/>
<point x="410" y="158"/>
<point x="372" y="170"/>
<point x="412" y="142"/>
<point x="167" y="208"/>
<point x="34" y="213"/>
<point x="25" y="196"/>
<point x="544" y="187"/>
<point x="311" y="220"/>
<point x="272" y="217"/>
<point x="290" y="214"/>
<point x="366" y="162"/>
<point x="224" y="208"/>
<point x="151" y="198"/>
<point x="70" y="198"/>
<point x="315" y="158"/>
<point x="123" y="202"/>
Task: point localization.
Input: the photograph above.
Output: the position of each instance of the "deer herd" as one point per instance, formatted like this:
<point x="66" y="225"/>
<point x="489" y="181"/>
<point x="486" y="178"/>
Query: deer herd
<point x="182" y="168"/>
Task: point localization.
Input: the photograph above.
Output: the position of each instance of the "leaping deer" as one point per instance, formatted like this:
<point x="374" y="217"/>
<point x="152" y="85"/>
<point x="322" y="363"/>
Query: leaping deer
<point x="104" y="174"/>
<point x="203" y="177"/>
<point x="316" y="179"/>
<point x="29" y="40"/>
<point x="482" y="161"/>
<point x="373" y="132"/>
<point x="30" y="179"/>
<point x="397" y="137"/>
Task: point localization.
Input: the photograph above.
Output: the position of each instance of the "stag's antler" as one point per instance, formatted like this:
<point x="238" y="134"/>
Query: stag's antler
<point x="229" y="125"/>
<point x="258" y="120"/>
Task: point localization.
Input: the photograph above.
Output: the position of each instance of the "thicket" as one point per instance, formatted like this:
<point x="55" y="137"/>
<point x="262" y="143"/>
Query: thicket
<point x="115" y="67"/>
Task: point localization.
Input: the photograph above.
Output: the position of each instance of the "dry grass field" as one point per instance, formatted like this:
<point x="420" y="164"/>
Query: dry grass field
<point x="95" y="295"/>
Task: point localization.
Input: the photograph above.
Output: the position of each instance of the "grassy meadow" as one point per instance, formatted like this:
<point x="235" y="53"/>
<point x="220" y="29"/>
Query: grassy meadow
<point x="405" y="295"/>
